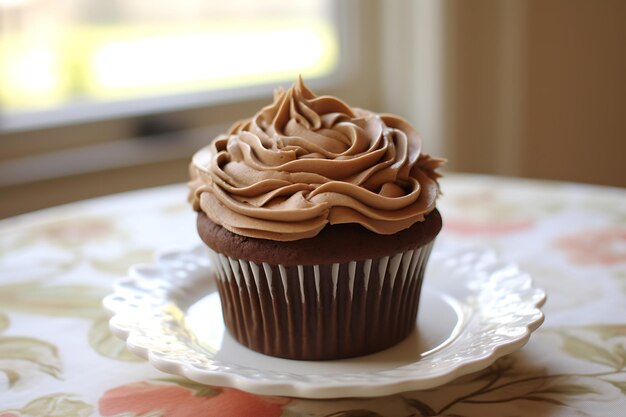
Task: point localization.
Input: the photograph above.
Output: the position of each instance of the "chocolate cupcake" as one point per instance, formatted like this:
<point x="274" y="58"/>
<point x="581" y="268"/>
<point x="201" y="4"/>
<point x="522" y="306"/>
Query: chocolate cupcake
<point x="320" y="219"/>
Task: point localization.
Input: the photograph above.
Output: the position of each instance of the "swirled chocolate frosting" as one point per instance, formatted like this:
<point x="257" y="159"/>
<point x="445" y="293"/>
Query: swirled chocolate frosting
<point x="306" y="161"/>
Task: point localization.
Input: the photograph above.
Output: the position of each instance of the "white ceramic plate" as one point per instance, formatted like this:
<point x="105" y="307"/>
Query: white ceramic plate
<point x="474" y="310"/>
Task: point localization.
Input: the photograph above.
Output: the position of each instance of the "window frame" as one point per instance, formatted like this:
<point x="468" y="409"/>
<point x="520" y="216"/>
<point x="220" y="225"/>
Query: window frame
<point x="124" y="111"/>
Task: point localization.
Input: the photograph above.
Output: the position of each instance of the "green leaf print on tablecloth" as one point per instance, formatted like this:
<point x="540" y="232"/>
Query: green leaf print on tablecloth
<point x="621" y="385"/>
<point x="620" y="276"/>
<point x="600" y="344"/>
<point x="4" y="322"/>
<point x="54" y="405"/>
<point x="106" y="344"/>
<point x="20" y="355"/>
<point x="354" y="413"/>
<point x="591" y="352"/>
<point x="199" y="390"/>
<point x="23" y="352"/>
<point x="73" y="300"/>
<point x="36" y="297"/>
<point x="423" y="408"/>
<point x="11" y="376"/>
<point x="118" y="265"/>
<point x="601" y="348"/>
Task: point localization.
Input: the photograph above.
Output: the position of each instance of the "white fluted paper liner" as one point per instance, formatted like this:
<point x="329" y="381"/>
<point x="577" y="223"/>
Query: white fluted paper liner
<point x="317" y="312"/>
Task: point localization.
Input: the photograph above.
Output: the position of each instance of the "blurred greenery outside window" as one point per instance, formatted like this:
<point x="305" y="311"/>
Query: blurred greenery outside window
<point x="67" y="54"/>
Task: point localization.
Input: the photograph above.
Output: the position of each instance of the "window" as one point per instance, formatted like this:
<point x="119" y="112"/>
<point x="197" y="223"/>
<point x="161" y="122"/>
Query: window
<point x="74" y="60"/>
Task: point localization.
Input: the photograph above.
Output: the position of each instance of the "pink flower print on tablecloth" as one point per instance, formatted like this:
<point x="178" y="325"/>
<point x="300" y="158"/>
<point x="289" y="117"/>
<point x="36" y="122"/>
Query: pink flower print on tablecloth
<point x="76" y="231"/>
<point x="605" y="246"/>
<point x="142" y="398"/>
<point x="469" y="227"/>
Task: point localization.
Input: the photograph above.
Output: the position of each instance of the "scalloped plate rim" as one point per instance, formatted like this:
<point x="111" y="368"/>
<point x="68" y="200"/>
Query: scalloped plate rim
<point x="313" y="390"/>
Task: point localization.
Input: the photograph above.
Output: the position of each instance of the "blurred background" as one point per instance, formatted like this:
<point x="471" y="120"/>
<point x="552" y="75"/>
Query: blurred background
<point x="102" y="97"/>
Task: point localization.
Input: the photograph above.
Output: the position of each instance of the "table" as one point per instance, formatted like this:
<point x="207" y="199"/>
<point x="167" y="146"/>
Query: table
<point x="58" y="357"/>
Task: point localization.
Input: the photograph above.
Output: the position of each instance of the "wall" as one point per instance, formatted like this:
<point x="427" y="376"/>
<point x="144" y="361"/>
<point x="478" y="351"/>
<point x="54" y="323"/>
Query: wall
<point x="537" y="89"/>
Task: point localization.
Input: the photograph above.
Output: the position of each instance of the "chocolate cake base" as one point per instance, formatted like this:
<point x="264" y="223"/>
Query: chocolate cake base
<point x="325" y="304"/>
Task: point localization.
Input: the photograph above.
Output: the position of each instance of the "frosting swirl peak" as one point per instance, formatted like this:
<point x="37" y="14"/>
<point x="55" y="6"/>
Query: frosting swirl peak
<point x="305" y="161"/>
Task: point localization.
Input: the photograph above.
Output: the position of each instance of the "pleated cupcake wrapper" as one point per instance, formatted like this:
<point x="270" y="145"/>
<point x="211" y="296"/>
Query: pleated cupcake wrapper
<point x="317" y="312"/>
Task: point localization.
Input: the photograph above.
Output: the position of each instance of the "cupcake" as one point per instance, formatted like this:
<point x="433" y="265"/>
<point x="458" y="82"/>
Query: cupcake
<point x="320" y="218"/>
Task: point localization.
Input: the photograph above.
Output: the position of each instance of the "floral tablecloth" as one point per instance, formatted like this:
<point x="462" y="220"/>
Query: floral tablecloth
<point x="58" y="357"/>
